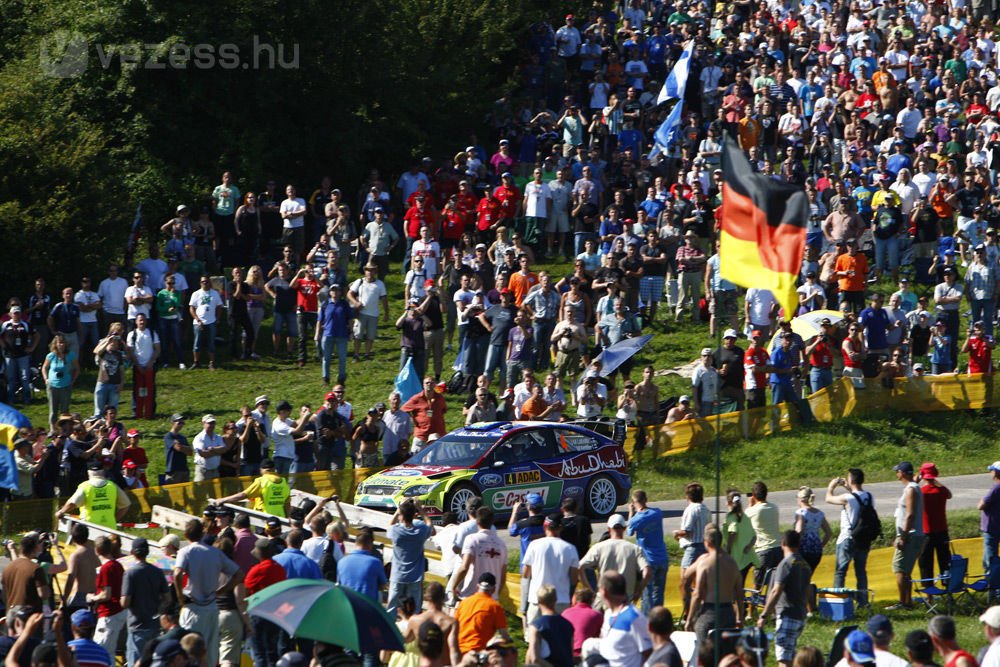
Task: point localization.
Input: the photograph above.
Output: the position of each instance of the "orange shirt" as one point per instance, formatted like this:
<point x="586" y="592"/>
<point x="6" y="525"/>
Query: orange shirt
<point x="521" y="284"/>
<point x="533" y="407"/>
<point x="858" y="264"/>
<point x="479" y="617"/>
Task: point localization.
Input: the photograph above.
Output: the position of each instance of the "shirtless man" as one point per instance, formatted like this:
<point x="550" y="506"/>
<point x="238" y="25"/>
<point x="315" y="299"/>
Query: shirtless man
<point x="434" y="598"/>
<point x="681" y="411"/>
<point x="83" y="566"/>
<point x="701" y="618"/>
<point x="647" y="398"/>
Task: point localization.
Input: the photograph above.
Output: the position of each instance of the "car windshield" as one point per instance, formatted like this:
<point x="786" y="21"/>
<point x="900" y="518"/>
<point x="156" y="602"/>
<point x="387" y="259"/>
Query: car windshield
<point x="453" y="450"/>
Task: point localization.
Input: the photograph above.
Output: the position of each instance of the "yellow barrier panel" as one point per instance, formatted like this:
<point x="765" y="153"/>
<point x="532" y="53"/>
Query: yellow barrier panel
<point x="840" y="400"/>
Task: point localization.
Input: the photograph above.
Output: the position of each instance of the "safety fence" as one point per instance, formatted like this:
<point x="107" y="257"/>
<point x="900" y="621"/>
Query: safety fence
<point x="844" y="398"/>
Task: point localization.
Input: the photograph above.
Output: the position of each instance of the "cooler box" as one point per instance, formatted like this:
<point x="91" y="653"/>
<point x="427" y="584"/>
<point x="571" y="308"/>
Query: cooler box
<point x="836" y="604"/>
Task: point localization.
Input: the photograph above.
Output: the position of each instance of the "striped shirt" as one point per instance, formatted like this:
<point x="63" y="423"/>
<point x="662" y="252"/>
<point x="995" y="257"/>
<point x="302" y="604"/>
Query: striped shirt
<point x="696" y="516"/>
<point x="89" y="653"/>
<point x="981" y="280"/>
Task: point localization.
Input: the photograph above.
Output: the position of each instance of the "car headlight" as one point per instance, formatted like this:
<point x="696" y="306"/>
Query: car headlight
<point x="419" y="490"/>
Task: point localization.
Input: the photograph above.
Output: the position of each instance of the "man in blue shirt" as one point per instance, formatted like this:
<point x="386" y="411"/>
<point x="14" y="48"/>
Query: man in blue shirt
<point x="362" y="570"/>
<point x="877" y="323"/>
<point x="297" y="565"/>
<point x="408" y="538"/>
<point x="646" y="523"/>
<point x="332" y="331"/>
<point x="783" y="360"/>
<point x="989" y="521"/>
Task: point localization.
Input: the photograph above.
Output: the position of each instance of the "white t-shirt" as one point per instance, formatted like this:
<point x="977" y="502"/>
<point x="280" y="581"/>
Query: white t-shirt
<point x="204" y="303"/>
<point x="86" y="298"/>
<point x="142" y="345"/>
<point x="536" y="200"/>
<point x="203" y="441"/>
<point x="761" y="301"/>
<point x="281" y="436"/>
<point x="431" y="252"/>
<point x="136" y="310"/>
<point x="290" y="206"/>
<point x="624" y="637"/>
<point x="550" y="559"/>
<point x="925" y="183"/>
<point x="848" y="513"/>
<point x="489" y="554"/>
<point x="464" y="297"/>
<point x="112" y="293"/>
<point x="885" y="659"/>
<point x="586" y="410"/>
<point x="705" y="382"/>
<point x="369" y="294"/>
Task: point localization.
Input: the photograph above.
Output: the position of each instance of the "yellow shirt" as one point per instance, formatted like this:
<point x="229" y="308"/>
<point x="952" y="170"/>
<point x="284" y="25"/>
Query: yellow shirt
<point x="269" y="493"/>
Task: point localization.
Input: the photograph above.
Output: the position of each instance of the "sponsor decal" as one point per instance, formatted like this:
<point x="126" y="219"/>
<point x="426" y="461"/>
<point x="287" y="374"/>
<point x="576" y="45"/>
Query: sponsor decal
<point x="504" y="499"/>
<point x="378" y="481"/>
<point x="376" y="501"/>
<point x="402" y="472"/>
<point x="480" y="434"/>
<point x="491" y="479"/>
<point x="586" y="464"/>
<point x="573" y="491"/>
<point x="523" y="477"/>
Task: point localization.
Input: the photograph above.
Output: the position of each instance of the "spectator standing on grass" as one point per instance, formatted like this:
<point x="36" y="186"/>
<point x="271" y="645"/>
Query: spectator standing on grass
<point x="143" y="587"/>
<point x="208" y="450"/>
<point x="427" y="410"/>
<point x="764" y="518"/>
<point x="716" y="577"/>
<point x="786" y="597"/>
<point x="365" y="295"/>
<point x="935" y="496"/>
<point x="205" y="305"/>
<point x="848" y="549"/>
<point x="177" y="452"/>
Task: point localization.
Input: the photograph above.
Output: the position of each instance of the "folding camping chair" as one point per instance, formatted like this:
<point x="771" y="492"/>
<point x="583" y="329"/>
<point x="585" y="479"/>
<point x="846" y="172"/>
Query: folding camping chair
<point x="947" y="586"/>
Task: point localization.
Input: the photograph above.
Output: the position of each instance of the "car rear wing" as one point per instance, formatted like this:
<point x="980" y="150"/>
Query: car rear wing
<point x="609" y="427"/>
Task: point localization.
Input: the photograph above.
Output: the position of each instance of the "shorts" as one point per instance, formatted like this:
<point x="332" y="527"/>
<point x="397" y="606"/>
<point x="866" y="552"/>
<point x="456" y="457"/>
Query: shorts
<point x="367" y="327"/>
<point x="651" y="289"/>
<point x="691" y="553"/>
<point x="368" y="460"/>
<point x="904" y="559"/>
<point x="723" y="304"/>
<point x="286" y="322"/>
<point x="557" y="222"/>
<point x="786" y="638"/>
<point x="204" y="338"/>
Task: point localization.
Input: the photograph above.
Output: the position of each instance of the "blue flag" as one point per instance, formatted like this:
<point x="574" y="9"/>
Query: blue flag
<point x="408" y="383"/>
<point x="669" y="129"/>
<point x="676" y="83"/>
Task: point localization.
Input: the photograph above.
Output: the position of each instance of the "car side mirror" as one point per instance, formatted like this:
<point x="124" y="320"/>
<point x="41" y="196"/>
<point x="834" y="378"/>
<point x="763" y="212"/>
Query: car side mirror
<point x="498" y="464"/>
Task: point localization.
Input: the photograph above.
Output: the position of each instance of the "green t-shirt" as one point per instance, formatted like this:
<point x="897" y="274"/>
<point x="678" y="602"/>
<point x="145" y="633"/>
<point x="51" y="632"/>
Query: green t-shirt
<point x="168" y="304"/>
<point x="744" y="535"/>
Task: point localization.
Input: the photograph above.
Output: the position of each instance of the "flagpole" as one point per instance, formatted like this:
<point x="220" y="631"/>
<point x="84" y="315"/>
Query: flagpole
<point x="718" y="475"/>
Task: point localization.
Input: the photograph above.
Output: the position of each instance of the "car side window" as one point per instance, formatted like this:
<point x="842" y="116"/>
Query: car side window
<point x="529" y="446"/>
<point x="571" y="442"/>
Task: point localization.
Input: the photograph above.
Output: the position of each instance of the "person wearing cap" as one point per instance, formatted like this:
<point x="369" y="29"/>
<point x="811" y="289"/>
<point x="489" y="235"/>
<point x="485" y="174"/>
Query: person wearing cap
<point x="18" y="340"/>
<point x="100" y="501"/>
<point x="87" y="652"/>
<point x="681" y="410"/>
<point x="691" y="269"/>
<point x="365" y="296"/>
<point x="177" y="451"/>
<point x="208" y="450"/>
<point x="333" y="328"/>
<point x="756" y="364"/>
<point x="910" y="535"/>
<point x="981" y="288"/>
<point x="331" y="431"/>
<point x="705" y="382"/>
<point x="378" y="239"/>
<point x="935" y="498"/>
<point x="618" y="554"/>
<point x="591" y="396"/>
<point x="947" y="300"/>
<point x="991" y="631"/>
<point x="859" y="650"/>
<point x="143" y="587"/>
<point x="550" y="560"/>
<point x="989" y="522"/>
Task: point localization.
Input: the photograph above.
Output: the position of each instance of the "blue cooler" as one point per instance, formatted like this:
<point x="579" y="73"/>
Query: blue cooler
<point x="836" y="604"/>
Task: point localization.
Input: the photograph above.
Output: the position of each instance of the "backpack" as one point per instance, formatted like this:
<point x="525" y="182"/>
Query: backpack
<point x="328" y="561"/>
<point x="867" y="527"/>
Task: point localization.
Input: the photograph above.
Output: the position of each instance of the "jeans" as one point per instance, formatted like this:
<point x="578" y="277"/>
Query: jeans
<point x="984" y="310"/>
<point x="282" y="465"/>
<point x="496" y="358"/>
<point x="307" y="325"/>
<point x="302" y="466"/>
<point x="89" y="335"/>
<point x="542" y="335"/>
<point x="990" y="543"/>
<point x="846" y="552"/>
<point x="820" y="378"/>
<point x="204" y="338"/>
<point x="136" y="641"/>
<point x="887" y="254"/>
<point x="652" y="595"/>
<point x="782" y="393"/>
<point x="18" y="371"/>
<point x="328" y="344"/>
<point x="475" y="355"/>
<point x="105" y="395"/>
<point x="264" y="642"/>
<point x="249" y="469"/>
<point x="240" y="330"/>
<point x="399" y="590"/>
<point x="170" y="339"/>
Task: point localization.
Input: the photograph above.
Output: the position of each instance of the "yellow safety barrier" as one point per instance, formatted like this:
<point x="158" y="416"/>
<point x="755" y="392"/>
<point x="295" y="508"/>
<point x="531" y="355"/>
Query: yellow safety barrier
<point x="840" y="400"/>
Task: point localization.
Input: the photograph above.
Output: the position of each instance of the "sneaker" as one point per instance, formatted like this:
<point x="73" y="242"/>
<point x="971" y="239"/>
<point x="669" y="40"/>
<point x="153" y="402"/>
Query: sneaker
<point x="211" y="366"/>
<point x="301" y="364"/>
<point x="255" y="356"/>
<point x="181" y="366"/>
<point x="899" y="607"/>
<point x="193" y="367"/>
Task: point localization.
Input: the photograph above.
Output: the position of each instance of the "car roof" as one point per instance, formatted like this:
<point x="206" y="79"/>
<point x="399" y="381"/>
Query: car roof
<point x="500" y="429"/>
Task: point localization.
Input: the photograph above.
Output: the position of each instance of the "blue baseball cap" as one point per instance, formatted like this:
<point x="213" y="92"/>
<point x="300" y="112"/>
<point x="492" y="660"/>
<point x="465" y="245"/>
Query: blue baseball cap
<point x="534" y="500"/>
<point x="880" y="626"/>
<point x="83" y="618"/>
<point x="860" y="647"/>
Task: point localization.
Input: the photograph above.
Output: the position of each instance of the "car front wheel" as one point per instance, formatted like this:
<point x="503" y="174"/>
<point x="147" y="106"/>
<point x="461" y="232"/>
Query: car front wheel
<point x="457" y="500"/>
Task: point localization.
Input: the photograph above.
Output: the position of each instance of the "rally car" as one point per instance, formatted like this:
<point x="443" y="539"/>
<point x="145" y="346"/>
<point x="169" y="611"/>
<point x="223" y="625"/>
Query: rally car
<point x="503" y="462"/>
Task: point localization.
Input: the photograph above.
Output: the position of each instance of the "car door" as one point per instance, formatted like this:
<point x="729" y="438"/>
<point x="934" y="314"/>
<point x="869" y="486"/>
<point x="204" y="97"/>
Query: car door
<point x="511" y="471"/>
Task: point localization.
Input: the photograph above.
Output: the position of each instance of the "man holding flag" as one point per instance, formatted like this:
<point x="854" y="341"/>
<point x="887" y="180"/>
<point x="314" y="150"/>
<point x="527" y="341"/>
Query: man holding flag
<point x="673" y="89"/>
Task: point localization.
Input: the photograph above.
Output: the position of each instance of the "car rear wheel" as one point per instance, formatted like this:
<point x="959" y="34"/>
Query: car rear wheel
<point x="601" y="497"/>
<point x="457" y="499"/>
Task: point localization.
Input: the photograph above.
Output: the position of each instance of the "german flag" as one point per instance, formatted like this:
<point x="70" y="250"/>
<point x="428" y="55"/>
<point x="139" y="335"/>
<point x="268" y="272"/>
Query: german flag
<point x="763" y="229"/>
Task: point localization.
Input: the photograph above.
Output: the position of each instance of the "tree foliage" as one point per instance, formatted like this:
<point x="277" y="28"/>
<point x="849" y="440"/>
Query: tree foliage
<point x="364" y="83"/>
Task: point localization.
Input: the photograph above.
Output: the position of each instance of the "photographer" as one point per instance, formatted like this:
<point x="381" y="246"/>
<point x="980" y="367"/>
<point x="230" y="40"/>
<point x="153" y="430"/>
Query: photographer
<point x="110" y="357"/>
<point x="820" y="354"/>
<point x="411" y="327"/>
<point x="591" y="397"/>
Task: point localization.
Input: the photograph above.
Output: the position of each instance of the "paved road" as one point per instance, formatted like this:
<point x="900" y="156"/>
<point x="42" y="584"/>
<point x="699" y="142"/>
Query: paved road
<point x="966" y="491"/>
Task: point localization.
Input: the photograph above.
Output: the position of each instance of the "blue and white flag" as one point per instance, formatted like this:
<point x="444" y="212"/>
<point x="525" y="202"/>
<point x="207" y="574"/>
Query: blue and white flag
<point x="669" y="130"/>
<point x="676" y="83"/>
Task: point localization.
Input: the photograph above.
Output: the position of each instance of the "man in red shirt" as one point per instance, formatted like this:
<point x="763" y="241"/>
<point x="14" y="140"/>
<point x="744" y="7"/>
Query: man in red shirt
<point x="755" y="366"/>
<point x="264" y="640"/>
<point x="980" y="349"/>
<point x="509" y="197"/>
<point x="111" y="616"/>
<point x="820" y="355"/>
<point x="487" y="216"/>
<point x="427" y="411"/>
<point x="453" y="220"/>
<point x="936" y="496"/>
<point x="307" y="307"/>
